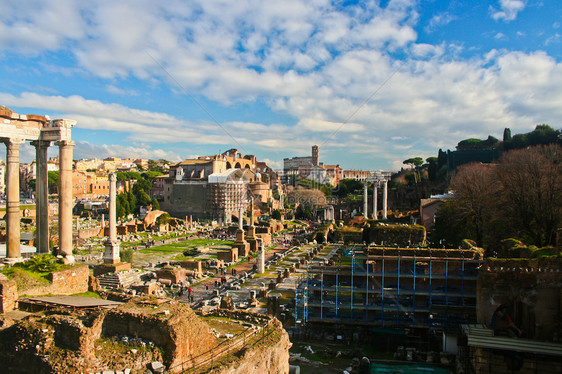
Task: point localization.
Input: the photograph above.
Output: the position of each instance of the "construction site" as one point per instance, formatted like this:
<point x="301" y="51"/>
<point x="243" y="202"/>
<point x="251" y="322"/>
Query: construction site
<point x="421" y="292"/>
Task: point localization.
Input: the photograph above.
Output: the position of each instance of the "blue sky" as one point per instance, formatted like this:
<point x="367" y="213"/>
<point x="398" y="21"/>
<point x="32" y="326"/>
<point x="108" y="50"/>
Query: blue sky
<point x="371" y="82"/>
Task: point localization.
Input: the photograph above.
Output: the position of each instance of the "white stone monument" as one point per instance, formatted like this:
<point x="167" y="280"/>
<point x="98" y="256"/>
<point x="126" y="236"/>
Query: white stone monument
<point x="111" y="254"/>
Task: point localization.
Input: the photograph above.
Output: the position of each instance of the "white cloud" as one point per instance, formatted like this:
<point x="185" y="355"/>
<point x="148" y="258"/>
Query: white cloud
<point x="439" y="20"/>
<point x="500" y="36"/>
<point x="89" y="150"/>
<point x="319" y="125"/>
<point x="275" y="165"/>
<point x="119" y="91"/>
<point x="318" y="64"/>
<point x="508" y="10"/>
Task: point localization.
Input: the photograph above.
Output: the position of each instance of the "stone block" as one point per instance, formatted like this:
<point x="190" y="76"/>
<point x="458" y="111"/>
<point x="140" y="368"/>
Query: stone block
<point x="111" y="268"/>
<point x="8" y="295"/>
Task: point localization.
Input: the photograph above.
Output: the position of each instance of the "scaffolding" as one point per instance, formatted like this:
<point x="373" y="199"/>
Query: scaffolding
<point x="392" y="287"/>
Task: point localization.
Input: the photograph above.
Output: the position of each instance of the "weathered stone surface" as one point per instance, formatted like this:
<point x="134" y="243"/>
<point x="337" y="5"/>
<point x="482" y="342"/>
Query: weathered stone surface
<point x="180" y="333"/>
<point x="8" y="295"/>
<point x="269" y="356"/>
<point x="64" y="282"/>
<point x="157" y="367"/>
<point x="174" y="274"/>
<point x="227" y="303"/>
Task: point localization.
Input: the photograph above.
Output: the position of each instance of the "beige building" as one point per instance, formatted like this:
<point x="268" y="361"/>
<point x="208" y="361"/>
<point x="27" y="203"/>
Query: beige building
<point x="214" y="187"/>
<point x="86" y="184"/>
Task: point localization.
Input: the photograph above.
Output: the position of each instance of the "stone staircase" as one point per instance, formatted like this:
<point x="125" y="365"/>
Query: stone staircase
<point x="121" y="279"/>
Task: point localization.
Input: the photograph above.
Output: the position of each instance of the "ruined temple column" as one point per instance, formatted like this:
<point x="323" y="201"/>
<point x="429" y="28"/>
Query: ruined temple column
<point x="384" y="199"/>
<point x="111" y="254"/>
<point x="241" y="219"/>
<point x="261" y="256"/>
<point x="365" y="207"/>
<point x="375" y="190"/>
<point x="41" y="196"/>
<point x="13" y="253"/>
<point x="65" y="200"/>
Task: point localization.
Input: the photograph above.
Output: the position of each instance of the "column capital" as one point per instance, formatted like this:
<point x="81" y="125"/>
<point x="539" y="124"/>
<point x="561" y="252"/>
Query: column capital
<point x="13" y="141"/>
<point x="112" y="177"/>
<point x="41" y="143"/>
<point x="65" y="143"/>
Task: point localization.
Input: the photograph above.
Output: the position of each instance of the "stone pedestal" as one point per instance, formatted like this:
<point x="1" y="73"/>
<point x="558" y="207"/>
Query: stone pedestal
<point x="241" y="244"/>
<point x="251" y="238"/>
<point x="111" y="268"/>
<point x="111" y="254"/>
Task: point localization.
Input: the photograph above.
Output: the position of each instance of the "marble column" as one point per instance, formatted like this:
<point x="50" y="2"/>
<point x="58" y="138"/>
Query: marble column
<point x="365" y="206"/>
<point x="111" y="254"/>
<point x="251" y="237"/>
<point x="13" y="253"/>
<point x="261" y="256"/>
<point x="384" y="199"/>
<point x="241" y="219"/>
<point x="65" y="200"/>
<point x="41" y="196"/>
<point x="375" y="197"/>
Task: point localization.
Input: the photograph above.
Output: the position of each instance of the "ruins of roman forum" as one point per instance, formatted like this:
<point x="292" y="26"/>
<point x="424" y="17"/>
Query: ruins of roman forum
<point x="15" y="129"/>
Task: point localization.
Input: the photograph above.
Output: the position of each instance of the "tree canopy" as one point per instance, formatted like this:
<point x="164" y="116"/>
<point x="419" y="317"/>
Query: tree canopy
<point x="416" y="161"/>
<point x="520" y="197"/>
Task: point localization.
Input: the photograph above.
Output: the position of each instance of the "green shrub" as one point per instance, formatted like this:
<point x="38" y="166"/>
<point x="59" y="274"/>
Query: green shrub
<point x="544" y="251"/>
<point x="44" y="263"/>
<point x="126" y="255"/>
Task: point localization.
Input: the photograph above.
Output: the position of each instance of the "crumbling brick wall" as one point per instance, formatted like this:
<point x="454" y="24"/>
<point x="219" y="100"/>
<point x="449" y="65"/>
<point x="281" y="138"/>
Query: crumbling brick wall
<point x="531" y="289"/>
<point x="8" y="295"/>
<point x="172" y="326"/>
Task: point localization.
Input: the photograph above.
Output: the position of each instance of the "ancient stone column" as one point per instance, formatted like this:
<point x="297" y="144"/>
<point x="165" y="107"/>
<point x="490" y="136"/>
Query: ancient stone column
<point x="365" y="207"/>
<point x="13" y="254"/>
<point x="261" y="256"/>
<point x="241" y="219"/>
<point x="375" y="190"/>
<point x="251" y="237"/>
<point x="384" y="199"/>
<point x="41" y="196"/>
<point x="111" y="254"/>
<point x="65" y="200"/>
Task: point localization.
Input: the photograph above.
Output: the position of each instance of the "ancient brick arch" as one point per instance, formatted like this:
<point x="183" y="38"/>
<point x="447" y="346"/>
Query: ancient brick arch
<point x="237" y="166"/>
<point x="228" y="165"/>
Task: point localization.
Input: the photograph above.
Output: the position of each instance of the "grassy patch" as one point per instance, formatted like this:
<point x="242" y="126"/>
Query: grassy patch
<point x="224" y="325"/>
<point x="95" y="295"/>
<point x="26" y="279"/>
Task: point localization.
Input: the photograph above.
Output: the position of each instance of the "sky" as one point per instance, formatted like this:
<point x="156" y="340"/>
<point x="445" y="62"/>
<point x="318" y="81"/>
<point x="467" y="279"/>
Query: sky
<point x="371" y="82"/>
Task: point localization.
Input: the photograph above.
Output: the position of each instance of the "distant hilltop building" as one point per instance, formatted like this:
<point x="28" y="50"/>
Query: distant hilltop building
<point x="215" y="187"/>
<point x="111" y="164"/>
<point x="310" y="167"/>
